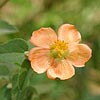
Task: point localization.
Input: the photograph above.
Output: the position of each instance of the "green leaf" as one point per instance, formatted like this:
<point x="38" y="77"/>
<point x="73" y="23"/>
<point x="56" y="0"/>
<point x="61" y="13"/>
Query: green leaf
<point x="5" y="93"/>
<point x="8" y="94"/>
<point x="24" y="74"/>
<point x="3" y="69"/>
<point x="21" y="83"/>
<point x="2" y="92"/>
<point x="96" y="52"/>
<point x="15" y="89"/>
<point x="27" y="94"/>
<point x="3" y="81"/>
<point x="12" y="59"/>
<point x="12" y="52"/>
<point x="14" y="46"/>
<point x="6" y="28"/>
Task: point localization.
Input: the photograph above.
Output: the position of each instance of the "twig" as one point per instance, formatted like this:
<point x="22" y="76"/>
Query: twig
<point x="3" y="3"/>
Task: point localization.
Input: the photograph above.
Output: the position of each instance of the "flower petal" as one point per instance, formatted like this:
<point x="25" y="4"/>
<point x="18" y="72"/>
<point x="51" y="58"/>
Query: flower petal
<point x="62" y="70"/>
<point x="43" y="37"/>
<point x="80" y="55"/>
<point x="40" y="60"/>
<point x="35" y="52"/>
<point x="69" y="33"/>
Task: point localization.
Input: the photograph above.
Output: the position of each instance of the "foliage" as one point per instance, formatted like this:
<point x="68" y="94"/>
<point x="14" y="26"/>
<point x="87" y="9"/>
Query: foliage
<point x="6" y="28"/>
<point x="22" y="17"/>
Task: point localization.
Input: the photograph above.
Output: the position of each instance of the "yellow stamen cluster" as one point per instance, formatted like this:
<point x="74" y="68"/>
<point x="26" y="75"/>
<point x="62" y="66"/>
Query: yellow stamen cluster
<point x="59" y="49"/>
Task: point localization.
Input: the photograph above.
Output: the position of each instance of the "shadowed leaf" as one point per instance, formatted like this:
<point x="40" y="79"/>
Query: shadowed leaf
<point x="6" y="28"/>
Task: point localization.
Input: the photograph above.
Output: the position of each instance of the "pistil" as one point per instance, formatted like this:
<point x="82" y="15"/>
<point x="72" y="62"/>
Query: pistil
<point x="59" y="49"/>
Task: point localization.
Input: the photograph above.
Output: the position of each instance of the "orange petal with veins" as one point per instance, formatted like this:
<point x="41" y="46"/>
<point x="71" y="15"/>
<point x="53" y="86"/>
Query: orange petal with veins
<point x="69" y="33"/>
<point x="80" y="55"/>
<point x="43" y="37"/>
<point x="62" y="70"/>
<point x="40" y="60"/>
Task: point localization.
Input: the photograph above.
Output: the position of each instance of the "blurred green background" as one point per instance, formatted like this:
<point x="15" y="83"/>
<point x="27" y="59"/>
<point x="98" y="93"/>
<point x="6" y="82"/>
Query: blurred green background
<point x="29" y="15"/>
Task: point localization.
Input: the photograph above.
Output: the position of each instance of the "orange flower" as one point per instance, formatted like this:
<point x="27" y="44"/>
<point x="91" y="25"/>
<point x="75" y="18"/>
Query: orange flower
<point x="58" y="55"/>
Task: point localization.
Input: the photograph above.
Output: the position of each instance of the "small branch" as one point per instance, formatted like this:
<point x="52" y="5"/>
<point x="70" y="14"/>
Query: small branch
<point x="3" y="3"/>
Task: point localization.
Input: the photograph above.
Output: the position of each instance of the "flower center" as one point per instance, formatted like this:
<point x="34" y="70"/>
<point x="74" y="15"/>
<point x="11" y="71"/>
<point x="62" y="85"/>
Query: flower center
<point x="59" y="49"/>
